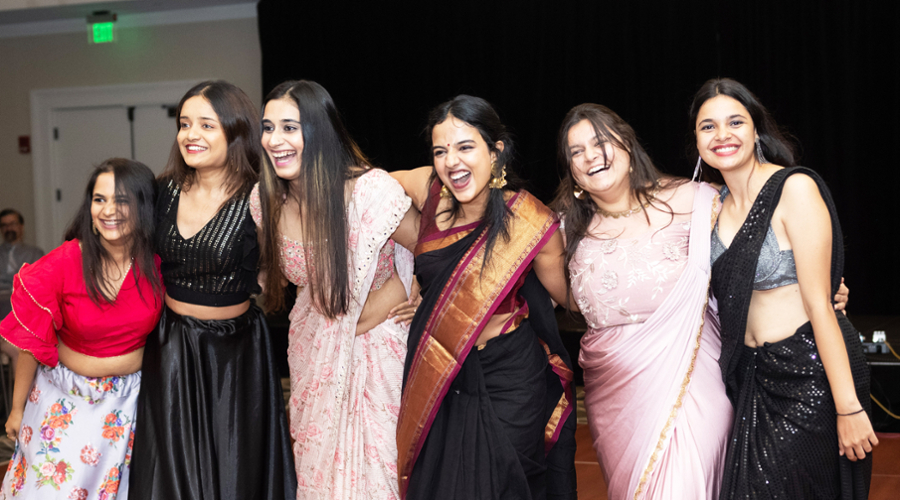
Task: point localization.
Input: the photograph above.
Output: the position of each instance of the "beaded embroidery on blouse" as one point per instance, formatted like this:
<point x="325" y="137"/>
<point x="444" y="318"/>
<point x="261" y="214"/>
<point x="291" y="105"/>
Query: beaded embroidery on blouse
<point x="620" y="281"/>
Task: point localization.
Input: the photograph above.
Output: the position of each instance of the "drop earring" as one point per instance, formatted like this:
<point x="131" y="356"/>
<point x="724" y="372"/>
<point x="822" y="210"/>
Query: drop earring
<point x="445" y="193"/>
<point x="498" y="179"/>
<point x="578" y="192"/>
<point x="759" y="152"/>
<point x="698" y="170"/>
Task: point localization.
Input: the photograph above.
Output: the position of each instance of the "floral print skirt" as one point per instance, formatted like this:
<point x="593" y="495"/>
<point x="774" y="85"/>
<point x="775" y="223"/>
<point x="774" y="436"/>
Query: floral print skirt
<point x="76" y="437"/>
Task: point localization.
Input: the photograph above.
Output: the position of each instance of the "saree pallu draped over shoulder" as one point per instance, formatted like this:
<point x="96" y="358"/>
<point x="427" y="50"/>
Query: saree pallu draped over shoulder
<point x="496" y="422"/>
<point x="784" y="442"/>
<point x="656" y="405"/>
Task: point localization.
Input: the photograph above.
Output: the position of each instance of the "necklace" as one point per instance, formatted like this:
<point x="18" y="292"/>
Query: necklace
<point x="630" y="211"/>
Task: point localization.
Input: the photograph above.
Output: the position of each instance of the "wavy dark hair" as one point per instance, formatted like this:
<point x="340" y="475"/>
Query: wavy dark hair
<point x="479" y="113"/>
<point x="644" y="177"/>
<point x="330" y="157"/>
<point x="239" y="119"/>
<point x="136" y="188"/>
<point x="778" y="146"/>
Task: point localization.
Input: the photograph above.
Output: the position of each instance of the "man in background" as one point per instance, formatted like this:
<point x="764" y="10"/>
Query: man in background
<point x="13" y="253"/>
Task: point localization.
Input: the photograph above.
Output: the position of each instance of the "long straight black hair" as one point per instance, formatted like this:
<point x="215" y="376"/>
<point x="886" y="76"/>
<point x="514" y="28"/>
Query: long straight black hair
<point x="777" y="145"/>
<point x="136" y="189"/>
<point x="330" y="157"/>
<point x="479" y="113"/>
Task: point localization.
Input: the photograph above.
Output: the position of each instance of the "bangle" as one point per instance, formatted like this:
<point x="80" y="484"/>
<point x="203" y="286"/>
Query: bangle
<point x="854" y="413"/>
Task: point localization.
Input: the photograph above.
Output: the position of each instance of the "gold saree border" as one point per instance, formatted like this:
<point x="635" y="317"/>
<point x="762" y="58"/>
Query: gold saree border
<point x="444" y="241"/>
<point x="460" y="314"/>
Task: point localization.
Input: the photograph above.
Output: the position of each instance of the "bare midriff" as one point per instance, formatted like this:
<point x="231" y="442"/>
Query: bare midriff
<point x="90" y="366"/>
<point x="774" y="315"/>
<point x="207" y="312"/>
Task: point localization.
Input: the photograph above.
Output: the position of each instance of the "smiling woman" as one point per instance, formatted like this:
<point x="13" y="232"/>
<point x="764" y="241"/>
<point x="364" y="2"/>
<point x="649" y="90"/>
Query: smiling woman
<point x="487" y="409"/>
<point x="212" y="412"/>
<point x="793" y="368"/>
<point x="637" y="257"/>
<point x="81" y="317"/>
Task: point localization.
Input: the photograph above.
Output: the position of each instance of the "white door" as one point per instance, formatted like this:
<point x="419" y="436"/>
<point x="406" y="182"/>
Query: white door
<point x="154" y="134"/>
<point x="82" y="139"/>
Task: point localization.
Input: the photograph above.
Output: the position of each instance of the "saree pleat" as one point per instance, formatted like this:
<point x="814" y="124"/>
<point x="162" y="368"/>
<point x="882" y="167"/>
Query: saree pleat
<point x="656" y="403"/>
<point x="478" y="423"/>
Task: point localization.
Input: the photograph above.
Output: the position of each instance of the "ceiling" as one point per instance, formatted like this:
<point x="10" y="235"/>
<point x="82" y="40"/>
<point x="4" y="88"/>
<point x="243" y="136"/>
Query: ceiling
<point x="12" y="11"/>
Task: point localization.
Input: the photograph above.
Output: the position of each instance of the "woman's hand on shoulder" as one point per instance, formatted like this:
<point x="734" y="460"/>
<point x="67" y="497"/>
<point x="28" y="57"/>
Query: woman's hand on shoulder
<point x="415" y="183"/>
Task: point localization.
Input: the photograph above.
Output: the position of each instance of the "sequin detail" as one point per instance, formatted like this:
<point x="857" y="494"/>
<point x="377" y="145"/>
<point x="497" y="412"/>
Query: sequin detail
<point x="775" y="267"/>
<point x="784" y="442"/>
<point x="215" y="266"/>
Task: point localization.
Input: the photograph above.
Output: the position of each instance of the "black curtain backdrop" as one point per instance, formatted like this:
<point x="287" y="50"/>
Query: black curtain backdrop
<point x="828" y="70"/>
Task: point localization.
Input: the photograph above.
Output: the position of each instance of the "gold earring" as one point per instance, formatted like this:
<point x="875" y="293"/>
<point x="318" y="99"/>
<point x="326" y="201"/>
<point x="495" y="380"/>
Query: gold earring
<point x="578" y="191"/>
<point x="445" y="193"/>
<point x="94" y="228"/>
<point x="498" y="180"/>
<point x="631" y="170"/>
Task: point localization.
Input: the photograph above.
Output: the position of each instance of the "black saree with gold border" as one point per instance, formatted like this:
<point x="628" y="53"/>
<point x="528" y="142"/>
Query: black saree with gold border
<point x="498" y="421"/>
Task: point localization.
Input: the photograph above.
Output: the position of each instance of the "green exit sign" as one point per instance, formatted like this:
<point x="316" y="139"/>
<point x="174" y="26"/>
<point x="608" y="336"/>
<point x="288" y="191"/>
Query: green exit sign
<point x="102" y="32"/>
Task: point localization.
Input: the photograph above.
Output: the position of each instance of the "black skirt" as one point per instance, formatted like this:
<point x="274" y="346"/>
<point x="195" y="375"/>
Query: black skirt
<point x="211" y="419"/>
<point x="784" y="442"/>
<point x="487" y="439"/>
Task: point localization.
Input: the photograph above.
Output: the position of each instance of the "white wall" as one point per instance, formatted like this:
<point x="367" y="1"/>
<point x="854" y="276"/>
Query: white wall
<point x="227" y="50"/>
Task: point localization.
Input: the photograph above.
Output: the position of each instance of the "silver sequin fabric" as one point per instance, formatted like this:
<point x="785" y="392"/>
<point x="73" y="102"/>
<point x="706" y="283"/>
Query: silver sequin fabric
<point x="775" y="267"/>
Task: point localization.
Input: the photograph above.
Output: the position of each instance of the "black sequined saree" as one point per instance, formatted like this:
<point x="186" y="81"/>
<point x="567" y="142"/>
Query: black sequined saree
<point x="784" y="441"/>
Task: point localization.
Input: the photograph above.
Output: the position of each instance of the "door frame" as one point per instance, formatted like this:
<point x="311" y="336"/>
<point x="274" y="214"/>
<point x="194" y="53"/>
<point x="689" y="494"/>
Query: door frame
<point x="45" y="101"/>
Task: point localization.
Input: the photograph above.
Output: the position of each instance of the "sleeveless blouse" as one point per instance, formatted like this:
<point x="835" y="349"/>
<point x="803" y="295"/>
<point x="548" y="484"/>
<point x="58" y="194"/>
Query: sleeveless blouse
<point x="293" y="256"/>
<point x="619" y="281"/>
<point x="775" y="267"/>
<point x="218" y="265"/>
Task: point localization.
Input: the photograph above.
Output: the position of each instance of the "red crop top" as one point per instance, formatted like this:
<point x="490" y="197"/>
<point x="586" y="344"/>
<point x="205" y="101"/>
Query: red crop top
<point x="50" y="303"/>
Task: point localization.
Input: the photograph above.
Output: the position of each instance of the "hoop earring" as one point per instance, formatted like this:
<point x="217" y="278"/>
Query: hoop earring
<point x="578" y="192"/>
<point x="759" y="152"/>
<point x="498" y="180"/>
<point x="698" y="170"/>
<point x="445" y="193"/>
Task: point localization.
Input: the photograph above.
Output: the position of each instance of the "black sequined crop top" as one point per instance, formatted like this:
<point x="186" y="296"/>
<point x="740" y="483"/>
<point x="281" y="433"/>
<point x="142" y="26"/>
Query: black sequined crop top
<point x="218" y="265"/>
<point x="775" y="267"/>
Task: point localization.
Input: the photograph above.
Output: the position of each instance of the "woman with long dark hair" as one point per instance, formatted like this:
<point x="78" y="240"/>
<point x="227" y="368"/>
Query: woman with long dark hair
<point x="637" y="260"/>
<point x="211" y="408"/>
<point x="326" y="217"/>
<point x="487" y="408"/>
<point x="81" y="315"/>
<point x="793" y="368"/>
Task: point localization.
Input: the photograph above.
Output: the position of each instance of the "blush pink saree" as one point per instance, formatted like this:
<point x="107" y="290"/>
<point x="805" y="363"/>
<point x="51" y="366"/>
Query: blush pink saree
<point x="655" y="398"/>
